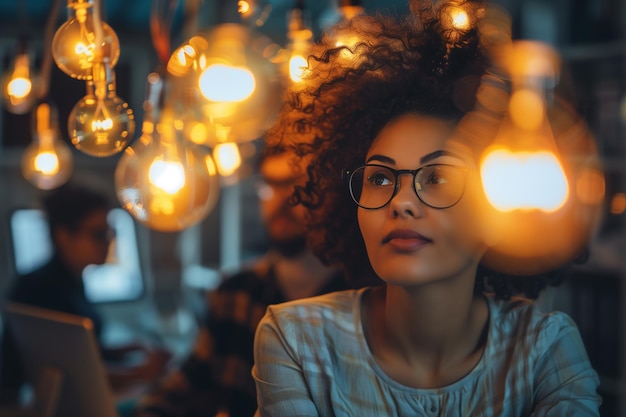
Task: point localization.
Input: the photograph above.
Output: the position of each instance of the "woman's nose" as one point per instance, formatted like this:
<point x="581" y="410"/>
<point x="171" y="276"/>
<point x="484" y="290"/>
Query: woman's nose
<point x="406" y="202"/>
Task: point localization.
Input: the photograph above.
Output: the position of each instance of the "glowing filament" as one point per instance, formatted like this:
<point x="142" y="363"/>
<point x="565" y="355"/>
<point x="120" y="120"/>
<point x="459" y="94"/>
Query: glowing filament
<point x="167" y="176"/>
<point x="18" y="88"/>
<point x="297" y="67"/>
<point x="225" y="83"/>
<point x="46" y="163"/>
<point x="104" y="124"/>
<point x="524" y="180"/>
<point x="460" y="19"/>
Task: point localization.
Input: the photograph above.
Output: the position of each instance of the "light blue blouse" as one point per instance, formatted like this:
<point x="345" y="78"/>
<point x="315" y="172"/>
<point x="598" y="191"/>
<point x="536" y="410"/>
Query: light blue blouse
<point x="312" y="359"/>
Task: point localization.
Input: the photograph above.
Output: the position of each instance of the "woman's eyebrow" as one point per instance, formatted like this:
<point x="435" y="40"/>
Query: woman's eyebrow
<point x="381" y="158"/>
<point x="437" y="154"/>
<point x="424" y="159"/>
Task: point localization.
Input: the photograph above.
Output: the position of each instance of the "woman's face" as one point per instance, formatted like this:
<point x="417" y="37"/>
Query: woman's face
<point x="408" y="242"/>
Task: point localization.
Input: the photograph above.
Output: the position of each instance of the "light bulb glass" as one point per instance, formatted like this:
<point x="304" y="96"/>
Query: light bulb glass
<point x="101" y="124"/>
<point x="166" y="183"/>
<point x="18" y="85"/>
<point x="540" y="167"/>
<point x="226" y="77"/>
<point x="47" y="162"/>
<point x="74" y="47"/>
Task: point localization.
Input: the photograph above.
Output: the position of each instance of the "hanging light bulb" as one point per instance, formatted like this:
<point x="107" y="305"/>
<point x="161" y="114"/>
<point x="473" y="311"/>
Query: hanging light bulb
<point x="77" y="41"/>
<point x="101" y="123"/>
<point x="300" y="38"/>
<point x="522" y="170"/>
<point x="339" y="33"/>
<point x="458" y="17"/>
<point x="225" y="78"/>
<point x="540" y="168"/>
<point x="47" y="162"/>
<point x="254" y="11"/>
<point x="226" y="154"/>
<point x="165" y="182"/>
<point x="19" y="83"/>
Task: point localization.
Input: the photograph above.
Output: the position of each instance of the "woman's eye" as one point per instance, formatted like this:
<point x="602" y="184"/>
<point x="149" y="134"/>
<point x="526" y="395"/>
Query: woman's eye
<point x="379" y="179"/>
<point x="437" y="177"/>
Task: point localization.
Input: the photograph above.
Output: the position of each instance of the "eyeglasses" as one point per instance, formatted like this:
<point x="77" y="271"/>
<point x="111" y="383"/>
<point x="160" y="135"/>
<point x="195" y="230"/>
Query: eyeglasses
<point x="438" y="186"/>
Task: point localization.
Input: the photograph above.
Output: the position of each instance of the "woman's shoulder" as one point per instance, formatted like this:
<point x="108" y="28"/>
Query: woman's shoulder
<point x="331" y="313"/>
<point x="337" y="303"/>
<point x="519" y="308"/>
<point x="523" y="319"/>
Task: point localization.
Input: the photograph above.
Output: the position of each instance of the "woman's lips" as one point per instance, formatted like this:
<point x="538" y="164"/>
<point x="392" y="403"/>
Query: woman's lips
<point x="405" y="240"/>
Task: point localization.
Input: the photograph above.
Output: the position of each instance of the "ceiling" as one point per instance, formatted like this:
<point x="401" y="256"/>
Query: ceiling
<point x="131" y="18"/>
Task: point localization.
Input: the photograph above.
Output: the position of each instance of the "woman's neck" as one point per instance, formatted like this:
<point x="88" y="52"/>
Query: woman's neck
<point x="429" y="335"/>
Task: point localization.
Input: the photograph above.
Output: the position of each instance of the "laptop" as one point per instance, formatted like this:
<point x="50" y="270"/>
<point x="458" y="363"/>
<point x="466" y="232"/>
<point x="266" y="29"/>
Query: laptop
<point x="61" y="361"/>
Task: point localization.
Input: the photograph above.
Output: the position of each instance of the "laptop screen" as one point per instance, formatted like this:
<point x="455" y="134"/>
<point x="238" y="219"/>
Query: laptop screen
<point x="68" y="375"/>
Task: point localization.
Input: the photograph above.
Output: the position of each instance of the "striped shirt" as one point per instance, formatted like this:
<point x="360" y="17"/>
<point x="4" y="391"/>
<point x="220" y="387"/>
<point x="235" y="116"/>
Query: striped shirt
<point x="312" y="359"/>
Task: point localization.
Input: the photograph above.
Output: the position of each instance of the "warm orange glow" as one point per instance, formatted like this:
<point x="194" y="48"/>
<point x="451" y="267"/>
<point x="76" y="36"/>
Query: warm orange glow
<point x="47" y="163"/>
<point x="210" y="165"/>
<point x="526" y="108"/>
<point x="590" y="186"/>
<point x="198" y="133"/>
<point x="168" y="176"/>
<point x="618" y="203"/>
<point x="19" y="88"/>
<point x="297" y="67"/>
<point x="524" y="181"/>
<point x="164" y="182"/>
<point x="243" y="7"/>
<point x="74" y="43"/>
<point x="101" y="123"/>
<point x="231" y="81"/>
<point x="460" y="19"/>
<point x="533" y="59"/>
<point x="225" y="83"/>
<point x="350" y="43"/>
<point x="227" y="158"/>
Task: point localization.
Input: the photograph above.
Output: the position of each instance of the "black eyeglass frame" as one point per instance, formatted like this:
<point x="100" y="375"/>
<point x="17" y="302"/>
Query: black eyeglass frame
<point x="347" y="175"/>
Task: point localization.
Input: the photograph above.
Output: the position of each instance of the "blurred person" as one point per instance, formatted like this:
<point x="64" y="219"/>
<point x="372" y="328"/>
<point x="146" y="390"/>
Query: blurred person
<point x="394" y="194"/>
<point x="80" y="236"/>
<point x="215" y="378"/>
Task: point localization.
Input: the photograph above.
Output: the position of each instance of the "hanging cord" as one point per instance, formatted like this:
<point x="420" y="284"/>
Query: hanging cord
<point x="97" y="29"/>
<point x="46" y="66"/>
<point x="160" y="28"/>
<point x="190" y="18"/>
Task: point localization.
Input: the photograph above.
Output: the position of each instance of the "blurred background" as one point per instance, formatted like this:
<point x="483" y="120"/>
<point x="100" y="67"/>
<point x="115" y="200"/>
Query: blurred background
<point x="161" y="297"/>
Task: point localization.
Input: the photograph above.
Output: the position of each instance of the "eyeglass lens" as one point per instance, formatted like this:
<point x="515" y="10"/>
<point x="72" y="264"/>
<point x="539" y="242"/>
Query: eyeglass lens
<point x="439" y="186"/>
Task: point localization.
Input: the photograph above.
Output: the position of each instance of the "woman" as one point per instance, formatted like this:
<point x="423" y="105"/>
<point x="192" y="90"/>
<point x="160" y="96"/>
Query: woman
<point x="440" y="336"/>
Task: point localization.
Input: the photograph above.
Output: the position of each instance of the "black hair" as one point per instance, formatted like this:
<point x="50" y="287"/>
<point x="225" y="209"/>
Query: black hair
<point x="68" y="205"/>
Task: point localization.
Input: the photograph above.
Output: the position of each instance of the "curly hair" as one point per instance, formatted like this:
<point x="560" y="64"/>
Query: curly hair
<point x="399" y="65"/>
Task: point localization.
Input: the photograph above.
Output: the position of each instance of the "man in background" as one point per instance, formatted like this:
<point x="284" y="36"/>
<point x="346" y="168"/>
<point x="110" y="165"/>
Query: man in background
<point x="215" y="378"/>
<point x="80" y="236"/>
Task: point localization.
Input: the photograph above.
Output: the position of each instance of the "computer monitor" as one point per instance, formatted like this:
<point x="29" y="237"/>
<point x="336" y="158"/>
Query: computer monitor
<point x="60" y="355"/>
<point x="119" y="279"/>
